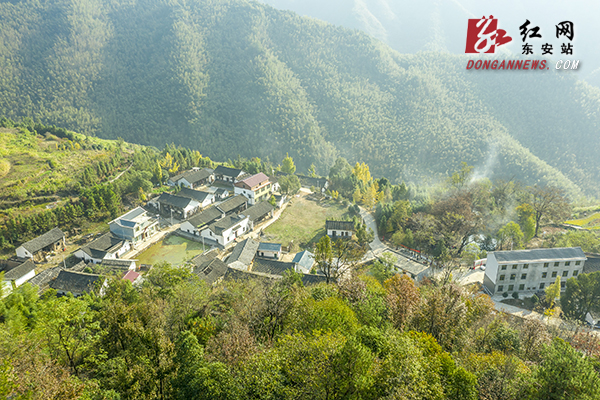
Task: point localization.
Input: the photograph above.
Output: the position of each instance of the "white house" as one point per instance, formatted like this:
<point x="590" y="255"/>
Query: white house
<point x="226" y="230"/>
<point x="339" y="229"/>
<point x="199" y="221"/>
<point x="193" y="178"/>
<point x="37" y="248"/>
<point x="227" y="174"/>
<point x="181" y="206"/>
<point x="135" y="226"/>
<point x="255" y="188"/>
<point x="205" y="199"/>
<point x="106" y="247"/>
<point x="531" y="270"/>
<point x="16" y="272"/>
<point x="269" y="250"/>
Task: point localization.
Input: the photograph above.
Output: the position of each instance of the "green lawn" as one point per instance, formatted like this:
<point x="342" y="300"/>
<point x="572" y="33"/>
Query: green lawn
<point x="303" y="222"/>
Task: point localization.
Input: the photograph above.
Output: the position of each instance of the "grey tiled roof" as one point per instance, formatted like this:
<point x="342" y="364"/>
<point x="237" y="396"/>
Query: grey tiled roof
<point x="19" y="271"/>
<point x="244" y="252"/>
<point x="42" y="279"/>
<point x="226" y="171"/>
<point x="208" y="267"/>
<point x="194" y="194"/>
<point x="74" y="282"/>
<point x="107" y="243"/>
<point x="232" y="203"/>
<point x="226" y="223"/>
<point x="258" y="210"/>
<point x="206" y="217"/>
<point x="533" y="255"/>
<point x="272" y="267"/>
<point x="174" y="201"/>
<point x="340" y="225"/>
<point x="266" y="246"/>
<point x="48" y="238"/>
<point x="305" y="259"/>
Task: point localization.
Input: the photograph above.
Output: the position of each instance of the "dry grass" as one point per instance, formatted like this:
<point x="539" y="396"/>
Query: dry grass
<point x="303" y="221"/>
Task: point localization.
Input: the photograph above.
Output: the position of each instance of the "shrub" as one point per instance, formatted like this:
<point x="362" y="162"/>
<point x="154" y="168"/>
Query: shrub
<point x="515" y="295"/>
<point x="505" y="294"/>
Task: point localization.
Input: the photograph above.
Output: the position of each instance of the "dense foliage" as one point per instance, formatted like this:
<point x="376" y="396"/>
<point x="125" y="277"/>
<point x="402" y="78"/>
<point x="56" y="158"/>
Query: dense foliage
<point x="176" y="338"/>
<point x="238" y="77"/>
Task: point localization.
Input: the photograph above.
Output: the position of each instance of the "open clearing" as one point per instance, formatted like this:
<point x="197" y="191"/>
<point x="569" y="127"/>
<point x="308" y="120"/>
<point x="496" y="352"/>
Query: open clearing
<point x="303" y="221"/>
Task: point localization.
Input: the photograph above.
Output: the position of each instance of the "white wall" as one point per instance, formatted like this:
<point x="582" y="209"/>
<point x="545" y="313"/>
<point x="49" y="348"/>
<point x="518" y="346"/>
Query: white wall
<point x="21" y="252"/>
<point x="25" y="278"/>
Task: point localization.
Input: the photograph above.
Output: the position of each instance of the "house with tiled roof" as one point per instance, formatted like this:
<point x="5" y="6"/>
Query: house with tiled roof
<point x="198" y="222"/>
<point x="209" y="268"/>
<point x="17" y="271"/>
<point x="243" y="254"/>
<point x="77" y="283"/>
<point x="226" y="230"/>
<point x="36" y="249"/>
<point x="259" y="212"/>
<point x="205" y="199"/>
<point x="255" y="188"/>
<point x="233" y="205"/>
<point x="193" y="178"/>
<point x="107" y="246"/>
<point x="339" y="229"/>
<point x="272" y="267"/>
<point x="269" y="250"/>
<point x="304" y="261"/>
<point x="181" y="207"/>
<point x="227" y="174"/>
<point x="132" y="276"/>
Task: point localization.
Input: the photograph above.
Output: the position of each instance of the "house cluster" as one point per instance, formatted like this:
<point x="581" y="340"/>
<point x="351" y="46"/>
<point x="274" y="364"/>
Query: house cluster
<point x="251" y="258"/>
<point x="203" y="188"/>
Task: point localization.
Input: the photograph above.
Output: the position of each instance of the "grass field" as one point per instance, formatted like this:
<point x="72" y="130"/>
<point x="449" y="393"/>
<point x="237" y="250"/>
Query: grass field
<point x="174" y="250"/>
<point x="303" y="222"/>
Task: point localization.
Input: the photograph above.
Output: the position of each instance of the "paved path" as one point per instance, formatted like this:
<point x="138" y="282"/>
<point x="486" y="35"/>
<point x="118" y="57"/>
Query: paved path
<point x="121" y="174"/>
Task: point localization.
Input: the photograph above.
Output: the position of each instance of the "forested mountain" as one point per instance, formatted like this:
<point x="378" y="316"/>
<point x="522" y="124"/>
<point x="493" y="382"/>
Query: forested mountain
<point x="235" y="77"/>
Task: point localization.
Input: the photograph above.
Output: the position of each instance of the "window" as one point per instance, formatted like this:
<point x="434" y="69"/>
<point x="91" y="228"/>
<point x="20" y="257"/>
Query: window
<point x="501" y="277"/>
<point x="503" y="268"/>
<point x="522" y="286"/>
<point x="556" y="264"/>
<point x="576" y="272"/>
<point x="500" y="288"/>
<point x="511" y="287"/>
<point x="544" y="274"/>
<point x="523" y="276"/>
<point x="562" y="285"/>
<point x="514" y="266"/>
<point x="567" y="263"/>
<point x="565" y="273"/>
<point x="513" y="277"/>
<point x="542" y="285"/>
<point x="554" y="274"/>
<point x="546" y="265"/>
<point x="577" y="262"/>
<point x="525" y="266"/>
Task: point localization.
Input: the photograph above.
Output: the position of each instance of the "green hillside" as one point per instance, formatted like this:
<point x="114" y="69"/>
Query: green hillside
<point x="236" y="77"/>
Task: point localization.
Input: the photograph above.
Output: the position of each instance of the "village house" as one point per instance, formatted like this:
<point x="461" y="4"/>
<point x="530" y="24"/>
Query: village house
<point x="195" y="224"/>
<point x="135" y="226"/>
<point x="118" y="264"/>
<point x="259" y="212"/>
<point x="243" y="254"/>
<point x="280" y="199"/>
<point x="304" y="261"/>
<point x="226" y="230"/>
<point x="226" y="174"/>
<point x="134" y="277"/>
<point x="205" y="199"/>
<point x="193" y="178"/>
<point x="220" y="193"/>
<point x="233" y="205"/>
<point x="181" y="207"/>
<point x="17" y="271"/>
<point x="531" y="270"/>
<point x="255" y="188"/>
<point x="37" y="249"/>
<point x="209" y="268"/>
<point x="269" y="250"/>
<point x="77" y="283"/>
<point x="272" y="267"/>
<point x="107" y="246"/>
<point x="339" y="229"/>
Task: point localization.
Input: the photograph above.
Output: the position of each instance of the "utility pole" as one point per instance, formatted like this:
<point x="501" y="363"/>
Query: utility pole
<point x="171" y="217"/>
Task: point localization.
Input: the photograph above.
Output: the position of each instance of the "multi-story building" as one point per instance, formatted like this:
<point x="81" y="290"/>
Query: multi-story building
<point x="135" y="226"/>
<point x="531" y="270"/>
<point x="255" y="188"/>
